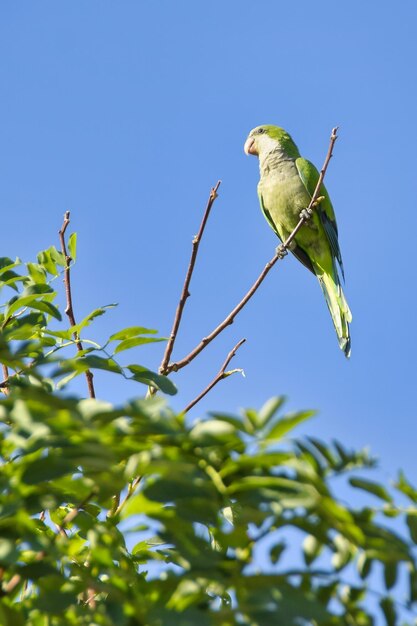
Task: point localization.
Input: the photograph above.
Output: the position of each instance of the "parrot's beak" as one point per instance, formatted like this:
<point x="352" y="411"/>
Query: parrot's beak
<point x="249" y="146"/>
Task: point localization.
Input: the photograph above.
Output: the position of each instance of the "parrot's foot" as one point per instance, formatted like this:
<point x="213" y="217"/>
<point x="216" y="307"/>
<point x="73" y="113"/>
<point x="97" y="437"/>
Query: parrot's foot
<point x="281" y="251"/>
<point x="306" y="214"/>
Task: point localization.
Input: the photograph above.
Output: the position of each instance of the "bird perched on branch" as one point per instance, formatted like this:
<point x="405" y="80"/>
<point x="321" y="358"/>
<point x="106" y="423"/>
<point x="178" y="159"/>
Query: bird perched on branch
<point x="286" y="187"/>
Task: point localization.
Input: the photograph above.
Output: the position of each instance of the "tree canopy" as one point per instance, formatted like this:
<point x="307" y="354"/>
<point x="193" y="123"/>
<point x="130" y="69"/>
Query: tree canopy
<point x="135" y="515"/>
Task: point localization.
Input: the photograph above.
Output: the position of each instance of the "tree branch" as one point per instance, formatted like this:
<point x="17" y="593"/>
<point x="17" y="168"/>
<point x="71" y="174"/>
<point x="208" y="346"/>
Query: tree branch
<point x="4" y="385"/>
<point x="220" y="376"/>
<point x="281" y="251"/>
<point x="118" y="506"/>
<point x="71" y="515"/>
<point x="69" y="308"/>
<point x="185" y="290"/>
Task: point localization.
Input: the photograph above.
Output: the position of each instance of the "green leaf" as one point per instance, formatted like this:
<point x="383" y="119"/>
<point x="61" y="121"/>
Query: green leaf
<point x="66" y="379"/>
<point x="140" y="505"/>
<point x="93" y="361"/>
<point x="8" y="552"/>
<point x="212" y="430"/>
<point x="276" y="552"/>
<point x="39" y="289"/>
<point x="61" y="334"/>
<point x="89" y="318"/>
<point x="237" y="422"/>
<point x="364" y="565"/>
<point x="390" y="574"/>
<point x="250" y="420"/>
<point x="54" y="603"/>
<point x="371" y="487"/>
<point x="412" y="581"/>
<point x="132" y="331"/>
<point x="345" y="457"/>
<point x="269" y="410"/>
<point x="291" y="493"/>
<point x="46" y="261"/>
<point x="136" y="341"/>
<point x="406" y="488"/>
<point x="57" y="256"/>
<point x="46" y="307"/>
<point x="37" y="272"/>
<point x="38" y="569"/>
<point x="312" y="547"/>
<point x="412" y="526"/>
<point x="343" y="552"/>
<point x="45" y="469"/>
<point x="9" y="616"/>
<point x="7" y="264"/>
<point x="10" y="279"/>
<point x="147" y="377"/>
<point x="31" y="300"/>
<point x="337" y="512"/>
<point x="286" y="424"/>
<point x="388" y="609"/>
<point x="72" y="246"/>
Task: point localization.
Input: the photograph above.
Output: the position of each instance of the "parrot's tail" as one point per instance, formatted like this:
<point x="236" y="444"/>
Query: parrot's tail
<point x="338" y="307"/>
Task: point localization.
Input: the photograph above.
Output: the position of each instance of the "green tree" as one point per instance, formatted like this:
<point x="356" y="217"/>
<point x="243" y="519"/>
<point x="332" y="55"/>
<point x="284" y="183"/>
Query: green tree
<point x="133" y="515"/>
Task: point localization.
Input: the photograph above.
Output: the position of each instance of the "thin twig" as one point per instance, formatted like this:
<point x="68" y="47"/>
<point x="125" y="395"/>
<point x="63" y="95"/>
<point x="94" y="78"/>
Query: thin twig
<point x="130" y="491"/>
<point x="91" y="598"/>
<point x="220" y="376"/>
<point x="13" y="582"/>
<point x="174" y="367"/>
<point x="69" y="308"/>
<point x="5" y="383"/>
<point x="185" y="290"/>
<point x="280" y="253"/>
<point x="71" y="515"/>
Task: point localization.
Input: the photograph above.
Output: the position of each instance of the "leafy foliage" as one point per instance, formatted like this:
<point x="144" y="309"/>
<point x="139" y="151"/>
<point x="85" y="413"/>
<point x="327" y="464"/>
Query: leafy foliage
<point x="132" y="515"/>
<point x="31" y="347"/>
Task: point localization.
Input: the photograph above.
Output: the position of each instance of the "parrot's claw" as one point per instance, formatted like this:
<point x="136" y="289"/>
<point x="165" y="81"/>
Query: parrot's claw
<point x="281" y="251"/>
<point x="306" y="214"/>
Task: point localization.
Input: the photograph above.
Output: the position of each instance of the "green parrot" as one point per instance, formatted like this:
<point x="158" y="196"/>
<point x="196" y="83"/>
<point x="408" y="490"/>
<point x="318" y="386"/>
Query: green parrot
<point x="287" y="183"/>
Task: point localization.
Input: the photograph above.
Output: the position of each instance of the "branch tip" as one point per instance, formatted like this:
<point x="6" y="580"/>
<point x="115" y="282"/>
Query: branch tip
<point x="221" y="375"/>
<point x="185" y="293"/>
<point x="69" y="311"/>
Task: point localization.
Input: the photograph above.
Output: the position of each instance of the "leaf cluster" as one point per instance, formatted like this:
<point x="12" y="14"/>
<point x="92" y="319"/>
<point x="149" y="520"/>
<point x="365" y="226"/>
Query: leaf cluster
<point x="183" y="546"/>
<point x="32" y="347"/>
<point x="133" y="515"/>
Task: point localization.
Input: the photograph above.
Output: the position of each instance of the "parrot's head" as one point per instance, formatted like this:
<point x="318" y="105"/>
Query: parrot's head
<point x="268" y="138"/>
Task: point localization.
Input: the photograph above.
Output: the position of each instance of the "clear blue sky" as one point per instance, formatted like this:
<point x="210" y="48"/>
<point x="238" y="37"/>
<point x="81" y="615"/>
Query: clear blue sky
<point x="127" y="113"/>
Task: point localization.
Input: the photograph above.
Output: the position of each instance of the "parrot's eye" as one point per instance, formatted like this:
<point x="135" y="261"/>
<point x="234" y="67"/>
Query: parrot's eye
<point x="261" y="130"/>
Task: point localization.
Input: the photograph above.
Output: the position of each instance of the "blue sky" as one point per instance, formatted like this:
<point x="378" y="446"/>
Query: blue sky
<point x="127" y="113"/>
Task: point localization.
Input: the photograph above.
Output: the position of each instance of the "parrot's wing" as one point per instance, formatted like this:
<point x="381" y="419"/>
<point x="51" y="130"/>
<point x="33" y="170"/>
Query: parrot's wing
<point x="298" y="252"/>
<point x="310" y="176"/>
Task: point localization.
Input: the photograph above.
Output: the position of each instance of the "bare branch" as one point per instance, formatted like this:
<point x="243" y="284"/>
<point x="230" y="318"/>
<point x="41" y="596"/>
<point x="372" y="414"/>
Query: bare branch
<point x="71" y="515"/>
<point x="280" y="253"/>
<point x="4" y="385"/>
<point x="185" y="290"/>
<point x="130" y="491"/>
<point x="91" y="598"/>
<point x="69" y="308"/>
<point x="174" y="367"/>
<point x="14" y="581"/>
<point x="220" y="376"/>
